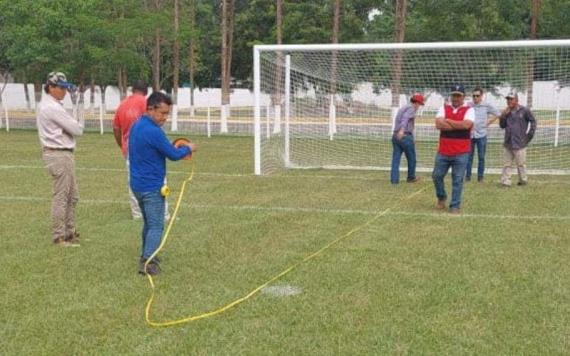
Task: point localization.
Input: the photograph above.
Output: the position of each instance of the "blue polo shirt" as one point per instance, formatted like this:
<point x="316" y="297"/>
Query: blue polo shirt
<point x="148" y="149"/>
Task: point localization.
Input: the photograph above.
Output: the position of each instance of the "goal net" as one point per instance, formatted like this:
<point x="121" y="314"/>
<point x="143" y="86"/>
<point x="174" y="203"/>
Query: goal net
<point x="332" y="106"/>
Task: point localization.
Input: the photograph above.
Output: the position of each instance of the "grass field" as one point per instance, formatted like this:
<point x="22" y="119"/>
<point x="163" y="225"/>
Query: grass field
<point x="494" y="281"/>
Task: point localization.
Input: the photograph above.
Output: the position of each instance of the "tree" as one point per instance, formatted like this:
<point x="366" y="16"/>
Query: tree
<point x="535" y="10"/>
<point x="226" y="56"/>
<point x="399" y="35"/>
<point x="176" y="53"/>
<point x="335" y="37"/>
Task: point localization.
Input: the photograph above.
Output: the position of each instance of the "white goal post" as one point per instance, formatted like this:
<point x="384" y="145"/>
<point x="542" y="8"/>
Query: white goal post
<point x="332" y="105"/>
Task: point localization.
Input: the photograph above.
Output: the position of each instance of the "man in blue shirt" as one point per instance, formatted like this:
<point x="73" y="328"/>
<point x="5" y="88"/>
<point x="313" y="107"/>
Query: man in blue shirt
<point x="479" y="139"/>
<point x="148" y="149"/>
<point x="403" y="140"/>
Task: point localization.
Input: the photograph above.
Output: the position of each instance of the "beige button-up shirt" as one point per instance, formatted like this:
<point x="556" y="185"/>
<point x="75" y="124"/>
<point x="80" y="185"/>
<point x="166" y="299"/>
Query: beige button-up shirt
<point x="56" y="127"/>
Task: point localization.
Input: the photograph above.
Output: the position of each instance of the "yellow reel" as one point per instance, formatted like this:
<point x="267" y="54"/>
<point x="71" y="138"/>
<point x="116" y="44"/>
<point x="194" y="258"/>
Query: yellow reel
<point x="164" y="191"/>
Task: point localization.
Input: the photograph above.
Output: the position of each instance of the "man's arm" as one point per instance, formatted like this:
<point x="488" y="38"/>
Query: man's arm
<point x="494" y="112"/>
<point x="459" y="125"/>
<point x="503" y="118"/>
<point x="442" y="124"/>
<point x="160" y="141"/>
<point x="118" y="136"/>
<point x="530" y="119"/>
<point x="67" y="122"/>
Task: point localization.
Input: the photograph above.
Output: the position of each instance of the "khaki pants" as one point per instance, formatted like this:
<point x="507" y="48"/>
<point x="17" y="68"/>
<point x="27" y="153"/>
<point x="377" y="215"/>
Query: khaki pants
<point x="511" y="157"/>
<point x="135" y="209"/>
<point x="61" y="167"/>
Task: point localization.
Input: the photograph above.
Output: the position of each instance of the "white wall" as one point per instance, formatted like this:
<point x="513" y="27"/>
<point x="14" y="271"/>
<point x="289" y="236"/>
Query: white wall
<point x="544" y="97"/>
<point x="15" y="98"/>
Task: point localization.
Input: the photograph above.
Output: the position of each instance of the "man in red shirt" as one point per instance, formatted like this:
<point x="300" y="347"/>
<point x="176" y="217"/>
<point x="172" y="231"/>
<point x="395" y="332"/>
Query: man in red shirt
<point x="129" y="111"/>
<point x="454" y="123"/>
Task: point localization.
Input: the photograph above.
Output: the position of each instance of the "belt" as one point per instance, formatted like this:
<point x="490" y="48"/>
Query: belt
<point x="58" y="149"/>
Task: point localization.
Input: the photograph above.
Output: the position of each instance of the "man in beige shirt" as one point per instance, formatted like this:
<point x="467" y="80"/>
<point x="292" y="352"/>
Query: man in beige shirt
<point x="57" y="130"/>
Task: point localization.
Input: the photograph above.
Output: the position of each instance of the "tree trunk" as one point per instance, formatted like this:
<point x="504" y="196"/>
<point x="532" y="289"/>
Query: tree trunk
<point x="103" y="88"/>
<point x="37" y="92"/>
<point x="191" y="55"/>
<point x="122" y="82"/>
<point x="335" y="38"/>
<point x="279" y="68"/>
<point x="191" y="70"/>
<point x="27" y="94"/>
<point x="156" y="54"/>
<point x="227" y="39"/>
<point x="399" y="35"/>
<point x="535" y="10"/>
<point x="92" y="95"/>
<point x="176" y="54"/>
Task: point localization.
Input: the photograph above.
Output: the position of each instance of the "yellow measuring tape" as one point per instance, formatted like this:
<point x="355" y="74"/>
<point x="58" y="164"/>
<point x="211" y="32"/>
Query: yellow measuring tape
<point x="257" y="289"/>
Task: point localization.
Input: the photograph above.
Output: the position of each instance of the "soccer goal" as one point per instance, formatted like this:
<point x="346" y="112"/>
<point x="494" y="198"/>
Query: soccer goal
<point x="332" y="106"/>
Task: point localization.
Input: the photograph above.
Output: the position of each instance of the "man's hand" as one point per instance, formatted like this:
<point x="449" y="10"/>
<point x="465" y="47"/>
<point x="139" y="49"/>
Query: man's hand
<point x="193" y="146"/>
<point x="442" y="124"/>
<point x="400" y="134"/>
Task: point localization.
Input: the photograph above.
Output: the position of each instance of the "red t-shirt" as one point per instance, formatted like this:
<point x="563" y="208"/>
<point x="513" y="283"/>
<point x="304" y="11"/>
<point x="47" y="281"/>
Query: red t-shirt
<point x="129" y="111"/>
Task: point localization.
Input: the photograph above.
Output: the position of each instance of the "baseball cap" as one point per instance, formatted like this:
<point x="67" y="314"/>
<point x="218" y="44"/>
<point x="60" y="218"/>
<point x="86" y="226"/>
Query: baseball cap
<point x="59" y="79"/>
<point x="512" y="94"/>
<point x="457" y="89"/>
<point x="417" y="98"/>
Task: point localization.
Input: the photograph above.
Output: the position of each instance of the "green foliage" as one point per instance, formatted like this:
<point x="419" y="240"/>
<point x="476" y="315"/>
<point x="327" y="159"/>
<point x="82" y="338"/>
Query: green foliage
<point x="93" y="39"/>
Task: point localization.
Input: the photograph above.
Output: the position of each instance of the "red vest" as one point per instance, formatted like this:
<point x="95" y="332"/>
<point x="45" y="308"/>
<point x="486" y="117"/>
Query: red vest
<point x="455" y="142"/>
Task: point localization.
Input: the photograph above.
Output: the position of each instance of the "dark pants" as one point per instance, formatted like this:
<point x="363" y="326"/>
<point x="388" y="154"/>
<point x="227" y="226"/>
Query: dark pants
<point x="481" y="144"/>
<point x="440" y="169"/>
<point x="406" y="146"/>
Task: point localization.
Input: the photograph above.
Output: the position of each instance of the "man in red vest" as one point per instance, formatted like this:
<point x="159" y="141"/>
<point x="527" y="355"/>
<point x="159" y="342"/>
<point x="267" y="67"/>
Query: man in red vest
<point x="454" y="123"/>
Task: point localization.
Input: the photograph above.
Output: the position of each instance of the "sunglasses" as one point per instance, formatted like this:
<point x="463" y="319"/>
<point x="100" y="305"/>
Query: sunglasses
<point x="476" y="95"/>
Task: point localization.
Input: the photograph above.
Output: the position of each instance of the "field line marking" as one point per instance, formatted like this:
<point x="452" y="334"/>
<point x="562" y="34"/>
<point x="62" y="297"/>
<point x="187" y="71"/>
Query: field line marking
<point x="251" y="175"/>
<point x="310" y="210"/>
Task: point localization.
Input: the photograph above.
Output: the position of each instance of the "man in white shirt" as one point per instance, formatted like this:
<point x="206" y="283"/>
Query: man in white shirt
<point x="57" y="130"/>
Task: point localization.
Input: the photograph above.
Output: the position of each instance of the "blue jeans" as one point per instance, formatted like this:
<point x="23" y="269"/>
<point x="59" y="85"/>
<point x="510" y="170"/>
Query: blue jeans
<point x="406" y="146"/>
<point x="440" y="169"/>
<point x="152" y="209"/>
<point x="481" y="144"/>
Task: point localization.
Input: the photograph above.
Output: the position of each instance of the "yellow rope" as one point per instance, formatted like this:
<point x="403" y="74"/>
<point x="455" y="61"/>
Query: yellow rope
<point x="257" y="289"/>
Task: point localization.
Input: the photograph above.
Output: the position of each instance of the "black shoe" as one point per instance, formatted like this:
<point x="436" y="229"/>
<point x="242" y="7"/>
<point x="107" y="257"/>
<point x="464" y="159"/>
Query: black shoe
<point x="468" y="179"/>
<point x="412" y="180"/>
<point x="480" y="179"/>
<point x="522" y="182"/>
<point x="152" y="268"/>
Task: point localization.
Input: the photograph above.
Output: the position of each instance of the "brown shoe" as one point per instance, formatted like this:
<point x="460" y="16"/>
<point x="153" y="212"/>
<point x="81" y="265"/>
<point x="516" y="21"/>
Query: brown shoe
<point x="455" y="211"/>
<point x="60" y="241"/>
<point x="413" y="180"/>
<point x="73" y="238"/>
<point x="440" y="204"/>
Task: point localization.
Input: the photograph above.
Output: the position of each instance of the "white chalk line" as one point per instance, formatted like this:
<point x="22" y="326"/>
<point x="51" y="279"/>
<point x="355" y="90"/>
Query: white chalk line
<point x="251" y="175"/>
<point x="438" y="215"/>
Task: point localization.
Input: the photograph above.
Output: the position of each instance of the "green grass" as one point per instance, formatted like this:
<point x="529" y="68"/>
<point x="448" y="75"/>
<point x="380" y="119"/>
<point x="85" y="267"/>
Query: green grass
<point x="494" y="281"/>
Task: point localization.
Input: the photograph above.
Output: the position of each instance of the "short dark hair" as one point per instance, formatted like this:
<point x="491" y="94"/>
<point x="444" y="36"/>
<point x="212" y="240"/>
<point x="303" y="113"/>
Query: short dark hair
<point x="478" y="89"/>
<point x="140" y="86"/>
<point x="156" y="98"/>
